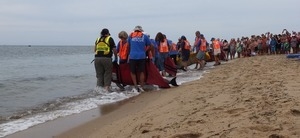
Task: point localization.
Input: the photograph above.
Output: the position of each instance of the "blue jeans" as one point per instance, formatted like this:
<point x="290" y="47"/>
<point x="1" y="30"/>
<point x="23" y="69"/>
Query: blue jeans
<point x="163" y="56"/>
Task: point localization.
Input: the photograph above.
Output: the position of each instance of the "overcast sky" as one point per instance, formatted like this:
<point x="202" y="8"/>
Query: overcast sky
<point x="79" y="22"/>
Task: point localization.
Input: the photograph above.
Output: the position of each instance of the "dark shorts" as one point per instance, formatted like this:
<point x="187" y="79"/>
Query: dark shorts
<point x="185" y="55"/>
<point x="137" y="65"/>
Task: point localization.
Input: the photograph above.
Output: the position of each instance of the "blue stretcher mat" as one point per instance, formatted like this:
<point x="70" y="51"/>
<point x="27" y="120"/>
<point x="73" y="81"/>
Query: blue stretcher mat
<point x="293" y="56"/>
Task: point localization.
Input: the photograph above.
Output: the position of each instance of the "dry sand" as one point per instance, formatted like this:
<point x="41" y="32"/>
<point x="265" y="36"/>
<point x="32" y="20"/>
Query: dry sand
<point x="246" y="98"/>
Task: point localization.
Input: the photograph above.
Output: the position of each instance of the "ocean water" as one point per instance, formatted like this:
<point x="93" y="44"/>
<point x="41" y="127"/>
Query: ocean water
<point x="42" y="83"/>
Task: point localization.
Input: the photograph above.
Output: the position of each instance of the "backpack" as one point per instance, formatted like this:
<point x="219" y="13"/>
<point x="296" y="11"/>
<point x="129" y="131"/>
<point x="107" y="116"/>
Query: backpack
<point x="102" y="45"/>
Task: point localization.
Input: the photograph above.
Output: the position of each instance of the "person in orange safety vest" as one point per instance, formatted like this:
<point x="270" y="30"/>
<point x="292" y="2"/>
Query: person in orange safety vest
<point x="123" y="48"/>
<point x="217" y="50"/>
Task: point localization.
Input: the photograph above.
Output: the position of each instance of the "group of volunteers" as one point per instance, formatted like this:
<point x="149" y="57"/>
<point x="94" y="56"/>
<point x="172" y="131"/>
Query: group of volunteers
<point x="137" y="48"/>
<point x="264" y="44"/>
<point x="268" y="43"/>
<point x="133" y="49"/>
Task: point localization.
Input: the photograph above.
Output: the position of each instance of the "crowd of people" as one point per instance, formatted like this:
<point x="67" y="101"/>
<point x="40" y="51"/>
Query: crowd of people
<point x="137" y="48"/>
<point x="264" y="44"/>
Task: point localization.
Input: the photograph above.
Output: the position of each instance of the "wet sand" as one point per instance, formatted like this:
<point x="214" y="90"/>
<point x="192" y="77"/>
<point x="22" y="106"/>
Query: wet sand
<point x="112" y="112"/>
<point x="105" y="113"/>
<point x="249" y="97"/>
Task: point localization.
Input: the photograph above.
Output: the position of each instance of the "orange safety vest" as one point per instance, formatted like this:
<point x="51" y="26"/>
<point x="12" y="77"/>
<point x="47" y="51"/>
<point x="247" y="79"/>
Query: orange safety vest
<point x="187" y="45"/>
<point x="216" y="44"/>
<point x="136" y="34"/>
<point x="163" y="46"/>
<point x="123" y="50"/>
<point x="203" y="45"/>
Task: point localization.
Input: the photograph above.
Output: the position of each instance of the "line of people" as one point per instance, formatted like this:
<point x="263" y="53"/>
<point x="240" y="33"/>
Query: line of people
<point x="137" y="47"/>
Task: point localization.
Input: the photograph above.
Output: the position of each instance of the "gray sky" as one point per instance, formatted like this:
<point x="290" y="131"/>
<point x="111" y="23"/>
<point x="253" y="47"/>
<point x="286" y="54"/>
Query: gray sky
<point x="79" y="22"/>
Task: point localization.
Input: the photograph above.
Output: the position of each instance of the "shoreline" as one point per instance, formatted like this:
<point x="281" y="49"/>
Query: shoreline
<point x="254" y="98"/>
<point x="57" y="126"/>
<point x="122" y="109"/>
<point x="69" y="124"/>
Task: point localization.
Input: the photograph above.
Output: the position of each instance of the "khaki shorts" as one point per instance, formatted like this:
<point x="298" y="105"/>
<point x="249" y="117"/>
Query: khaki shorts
<point x="217" y="51"/>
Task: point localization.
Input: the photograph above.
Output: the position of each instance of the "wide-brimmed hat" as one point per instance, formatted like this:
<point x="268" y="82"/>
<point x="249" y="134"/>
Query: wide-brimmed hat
<point x="138" y="28"/>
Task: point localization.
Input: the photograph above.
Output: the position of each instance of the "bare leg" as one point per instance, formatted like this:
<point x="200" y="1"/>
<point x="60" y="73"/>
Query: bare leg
<point x="142" y="79"/>
<point x="163" y="73"/>
<point x="202" y="64"/>
<point x="185" y="65"/>
<point x="196" y="65"/>
<point x="198" y="62"/>
<point x="217" y="60"/>
<point x="133" y="77"/>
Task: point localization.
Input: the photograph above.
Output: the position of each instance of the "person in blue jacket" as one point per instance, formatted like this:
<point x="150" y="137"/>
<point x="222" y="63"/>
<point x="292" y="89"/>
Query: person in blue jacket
<point x="139" y="44"/>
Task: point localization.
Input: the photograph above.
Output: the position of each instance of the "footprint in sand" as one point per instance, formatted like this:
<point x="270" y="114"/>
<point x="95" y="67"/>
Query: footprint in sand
<point x="145" y="127"/>
<point x="295" y="112"/>
<point x="265" y="128"/>
<point x="189" y="135"/>
<point x="193" y="123"/>
<point x="276" y="136"/>
<point x="233" y="111"/>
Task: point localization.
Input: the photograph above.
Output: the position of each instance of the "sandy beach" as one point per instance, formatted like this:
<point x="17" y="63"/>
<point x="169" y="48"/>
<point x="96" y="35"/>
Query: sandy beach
<point x="248" y="97"/>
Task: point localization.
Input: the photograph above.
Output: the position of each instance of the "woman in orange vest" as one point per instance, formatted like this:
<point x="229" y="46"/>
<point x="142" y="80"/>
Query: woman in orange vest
<point x="196" y="45"/>
<point x="185" y="49"/>
<point x="123" y="48"/>
<point x="217" y="51"/>
<point x="163" y="50"/>
<point x="201" y="52"/>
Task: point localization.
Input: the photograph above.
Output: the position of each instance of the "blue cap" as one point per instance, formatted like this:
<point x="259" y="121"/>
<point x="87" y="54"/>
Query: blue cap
<point x="183" y="37"/>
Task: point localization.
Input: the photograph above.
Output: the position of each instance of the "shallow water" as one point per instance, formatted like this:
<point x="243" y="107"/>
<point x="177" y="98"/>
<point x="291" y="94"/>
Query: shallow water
<point x="42" y="83"/>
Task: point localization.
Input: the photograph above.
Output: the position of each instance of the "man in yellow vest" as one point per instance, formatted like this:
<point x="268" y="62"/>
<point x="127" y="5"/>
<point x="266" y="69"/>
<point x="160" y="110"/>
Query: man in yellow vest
<point x="105" y="47"/>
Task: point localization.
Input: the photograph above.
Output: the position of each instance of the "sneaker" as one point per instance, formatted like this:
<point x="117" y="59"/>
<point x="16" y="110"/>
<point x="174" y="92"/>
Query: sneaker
<point x="134" y="90"/>
<point x="141" y="89"/>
